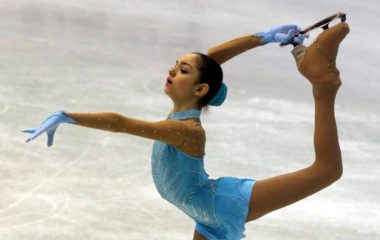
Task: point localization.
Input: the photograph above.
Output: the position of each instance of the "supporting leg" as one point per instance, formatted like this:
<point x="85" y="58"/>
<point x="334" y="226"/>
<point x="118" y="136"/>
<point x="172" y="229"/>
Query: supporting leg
<point x="198" y="236"/>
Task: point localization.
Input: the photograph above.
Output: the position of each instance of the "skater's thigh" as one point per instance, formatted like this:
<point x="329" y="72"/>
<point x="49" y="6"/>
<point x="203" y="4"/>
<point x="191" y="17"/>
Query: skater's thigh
<point x="279" y="191"/>
<point x="198" y="236"/>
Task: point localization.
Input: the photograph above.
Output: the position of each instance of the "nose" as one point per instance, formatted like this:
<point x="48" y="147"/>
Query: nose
<point x="171" y="72"/>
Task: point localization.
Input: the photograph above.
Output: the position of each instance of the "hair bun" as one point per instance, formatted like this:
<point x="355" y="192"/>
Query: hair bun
<point x="219" y="98"/>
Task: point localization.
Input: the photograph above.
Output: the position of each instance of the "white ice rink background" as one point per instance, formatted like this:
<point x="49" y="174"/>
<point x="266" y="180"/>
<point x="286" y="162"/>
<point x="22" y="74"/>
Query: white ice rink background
<point x="92" y="56"/>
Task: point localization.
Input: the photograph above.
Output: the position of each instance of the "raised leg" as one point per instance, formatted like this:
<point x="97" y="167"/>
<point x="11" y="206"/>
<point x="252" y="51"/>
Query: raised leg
<point x="317" y="64"/>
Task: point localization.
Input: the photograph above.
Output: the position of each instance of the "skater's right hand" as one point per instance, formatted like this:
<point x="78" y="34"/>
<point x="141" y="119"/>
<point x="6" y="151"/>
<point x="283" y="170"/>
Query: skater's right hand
<point x="282" y="34"/>
<point x="49" y="126"/>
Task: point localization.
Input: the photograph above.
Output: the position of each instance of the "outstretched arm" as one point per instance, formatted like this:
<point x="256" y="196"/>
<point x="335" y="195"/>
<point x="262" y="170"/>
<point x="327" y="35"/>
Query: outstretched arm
<point x="170" y="131"/>
<point x="173" y="131"/>
<point x="225" y="51"/>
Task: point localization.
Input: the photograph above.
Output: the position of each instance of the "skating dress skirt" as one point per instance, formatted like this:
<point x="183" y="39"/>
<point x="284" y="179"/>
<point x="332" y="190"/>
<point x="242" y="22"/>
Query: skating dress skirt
<point x="219" y="207"/>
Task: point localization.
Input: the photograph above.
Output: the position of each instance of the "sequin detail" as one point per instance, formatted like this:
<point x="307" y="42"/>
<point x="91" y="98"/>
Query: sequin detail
<point x="182" y="180"/>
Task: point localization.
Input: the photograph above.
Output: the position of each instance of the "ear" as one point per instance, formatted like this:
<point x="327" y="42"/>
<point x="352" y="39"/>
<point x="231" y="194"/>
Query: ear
<point x="202" y="90"/>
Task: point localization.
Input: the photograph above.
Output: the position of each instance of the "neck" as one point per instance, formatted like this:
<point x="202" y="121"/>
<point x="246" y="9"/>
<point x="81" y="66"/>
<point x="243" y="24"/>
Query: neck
<point x="183" y="107"/>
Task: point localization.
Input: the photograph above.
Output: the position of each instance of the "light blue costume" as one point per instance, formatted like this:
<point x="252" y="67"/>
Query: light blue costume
<point x="218" y="206"/>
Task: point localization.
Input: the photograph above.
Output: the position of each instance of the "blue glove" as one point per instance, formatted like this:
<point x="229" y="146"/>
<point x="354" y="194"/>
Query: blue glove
<point x="49" y="126"/>
<point x="282" y="34"/>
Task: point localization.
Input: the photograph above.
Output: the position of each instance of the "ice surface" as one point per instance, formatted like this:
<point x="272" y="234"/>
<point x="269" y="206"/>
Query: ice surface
<point x="84" y="56"/>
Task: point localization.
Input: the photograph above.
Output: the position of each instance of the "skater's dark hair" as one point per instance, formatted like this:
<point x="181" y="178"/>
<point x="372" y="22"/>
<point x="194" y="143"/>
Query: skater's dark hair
<point x="210" y="73"/>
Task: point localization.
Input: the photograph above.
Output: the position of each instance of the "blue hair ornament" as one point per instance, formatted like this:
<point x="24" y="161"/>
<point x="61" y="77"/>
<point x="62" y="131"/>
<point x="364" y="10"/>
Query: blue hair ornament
<point x="219" y="98"/>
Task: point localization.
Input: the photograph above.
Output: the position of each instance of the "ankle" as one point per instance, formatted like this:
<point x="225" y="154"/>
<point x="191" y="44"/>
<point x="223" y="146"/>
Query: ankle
<point x="326" y="91"/>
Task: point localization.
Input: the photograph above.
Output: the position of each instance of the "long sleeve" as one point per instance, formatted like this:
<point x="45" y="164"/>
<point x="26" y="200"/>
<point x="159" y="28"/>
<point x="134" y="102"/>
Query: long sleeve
<point x="171" y="131"/>
<point x="225" y="51"/>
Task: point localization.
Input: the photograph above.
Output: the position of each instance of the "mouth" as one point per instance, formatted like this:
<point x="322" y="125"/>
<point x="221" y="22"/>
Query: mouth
<point x="168" y="81"/>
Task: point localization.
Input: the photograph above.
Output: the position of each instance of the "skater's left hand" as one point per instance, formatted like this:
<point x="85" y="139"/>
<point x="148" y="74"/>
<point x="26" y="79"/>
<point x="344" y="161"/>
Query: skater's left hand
<point x="282" y="34"/>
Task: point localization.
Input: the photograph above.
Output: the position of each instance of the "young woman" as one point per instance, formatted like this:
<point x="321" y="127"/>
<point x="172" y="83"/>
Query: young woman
<point x="221" y="207"/>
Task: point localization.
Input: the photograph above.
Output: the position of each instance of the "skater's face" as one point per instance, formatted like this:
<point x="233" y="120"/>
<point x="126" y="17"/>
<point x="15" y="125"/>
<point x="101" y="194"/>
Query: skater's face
<point x="183" y="84"/>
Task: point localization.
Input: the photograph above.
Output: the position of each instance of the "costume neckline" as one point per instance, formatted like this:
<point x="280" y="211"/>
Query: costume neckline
<point x="191" y="113"/>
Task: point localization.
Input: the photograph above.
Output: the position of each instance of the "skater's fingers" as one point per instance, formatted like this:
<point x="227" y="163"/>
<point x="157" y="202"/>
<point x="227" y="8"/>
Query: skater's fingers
<point x="282" y="33"/>
<point x="292" y="32"/>
<point x="303" y="35"/>
<point x="300" y="38"/>
<point x="288" y="27"/>
<point x="51" y="137"/>
<point x="35" y="134"/>
<point x="286" y="37"/>
<point x="28" y="130"/>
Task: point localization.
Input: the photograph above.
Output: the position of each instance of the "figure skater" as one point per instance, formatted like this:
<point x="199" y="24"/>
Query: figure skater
<point x="221" y="207"/>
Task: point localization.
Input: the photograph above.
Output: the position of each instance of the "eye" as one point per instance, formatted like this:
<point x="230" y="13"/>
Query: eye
<point x="182" y="69"/>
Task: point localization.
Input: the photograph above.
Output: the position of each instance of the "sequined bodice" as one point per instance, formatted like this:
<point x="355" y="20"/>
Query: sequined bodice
<point x="181" y="179"/>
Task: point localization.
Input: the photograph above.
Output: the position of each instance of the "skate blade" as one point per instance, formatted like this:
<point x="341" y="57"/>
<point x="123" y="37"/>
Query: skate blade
<point x="324" y="24"/>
